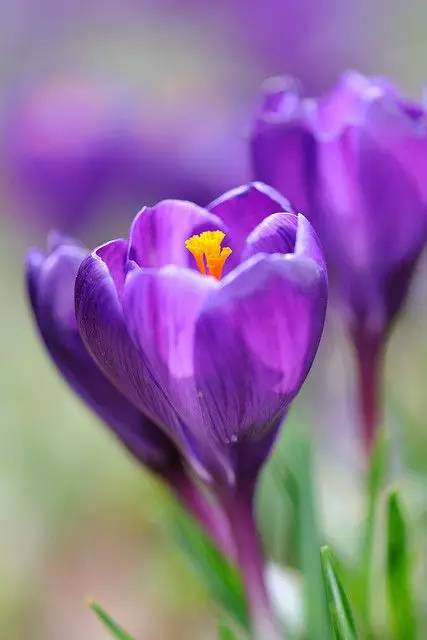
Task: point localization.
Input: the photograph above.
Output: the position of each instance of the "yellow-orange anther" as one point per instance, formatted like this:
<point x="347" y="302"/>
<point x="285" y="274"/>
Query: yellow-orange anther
<point x="208" y="253"/>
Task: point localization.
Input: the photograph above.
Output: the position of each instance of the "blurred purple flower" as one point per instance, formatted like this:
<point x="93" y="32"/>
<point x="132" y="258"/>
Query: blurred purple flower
<point x="269" y="35"/>
<point x="355" y="162"/>
<point x="64" y="144"/>
<point x="51" y="278"/>
<point x="214" y="363"/>
<point x="185" y="143"/>
<point x="265" y="37"/>
<point x="74" y="149"/>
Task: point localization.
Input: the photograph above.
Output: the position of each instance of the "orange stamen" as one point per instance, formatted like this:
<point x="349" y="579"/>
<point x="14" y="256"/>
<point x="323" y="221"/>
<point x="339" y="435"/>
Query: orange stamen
<point x="206" y="249"/>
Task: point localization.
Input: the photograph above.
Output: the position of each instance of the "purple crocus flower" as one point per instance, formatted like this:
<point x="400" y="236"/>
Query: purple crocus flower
<point x="214" y="363"/>
<point x="355" y="161"/>
<point x="51" y="278"/>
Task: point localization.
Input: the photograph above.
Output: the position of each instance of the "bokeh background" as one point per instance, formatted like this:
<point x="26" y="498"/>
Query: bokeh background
<point x="104" y="107"/>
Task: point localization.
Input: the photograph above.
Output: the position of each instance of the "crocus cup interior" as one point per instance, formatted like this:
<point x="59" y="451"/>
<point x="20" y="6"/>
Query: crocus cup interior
<point x="147" y="248"/>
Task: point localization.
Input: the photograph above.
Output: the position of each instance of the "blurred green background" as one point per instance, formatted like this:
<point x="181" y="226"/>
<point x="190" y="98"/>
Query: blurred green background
<point x="79" y="518"/>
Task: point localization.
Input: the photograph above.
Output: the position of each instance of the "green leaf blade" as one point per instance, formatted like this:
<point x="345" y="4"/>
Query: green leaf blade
<point x="398" y="572"/>
<point x="117" y="632"/>
<point x="375" y="481"/>
<point x="225" y="632"/>
<point x="339" y="607"/>
<point x="221" y="579"/>
<point x="300" y="485"/>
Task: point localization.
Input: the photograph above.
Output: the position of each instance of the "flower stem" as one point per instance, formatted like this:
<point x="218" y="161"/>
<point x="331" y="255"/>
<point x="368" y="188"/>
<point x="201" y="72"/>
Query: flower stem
<point x="240" y="511"/>
<point x="369" y="366"/>
<point x="207" y="513"/>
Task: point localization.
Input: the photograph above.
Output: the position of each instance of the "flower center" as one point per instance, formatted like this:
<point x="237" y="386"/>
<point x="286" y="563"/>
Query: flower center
<point x="206" y="249"/>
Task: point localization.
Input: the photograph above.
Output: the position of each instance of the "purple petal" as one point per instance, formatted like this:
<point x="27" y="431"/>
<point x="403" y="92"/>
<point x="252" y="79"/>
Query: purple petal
<point x="230" y="356"/>
<point x="286" y="233"/>
<point x="308" y="245"/>
<point x="374" y="220"/>
<point x="255" y="342"/>
<point x="102" y="327"/>
<point x="51" y="285"/>
<point x="114" y="255"/>
<point x="355" y="160"/>
<point x="400" y="128"/>
<point x="280" y="96"/>
<point x="372" y="173"/>
<point x="56" y="239"/>
<point x="242" y="209"/>
<point x="33" y="265"/>
<point x="284" y="155"/>
<point x="161" y="308"/>
<point x="158" y="234"/>
<point x="275" y="234"/>
<point x="344" y="105"/>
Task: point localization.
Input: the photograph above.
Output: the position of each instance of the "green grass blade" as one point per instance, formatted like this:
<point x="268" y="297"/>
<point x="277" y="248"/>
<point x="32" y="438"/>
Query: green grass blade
<point x="116" y="631"/>
<point x="398" y="573"/>
<point x="339" y="607"/>
<point x="299" y="462"/>
<point x="220" y="578"/>
<point x="225" y="632"/>
<point x="374" y="486"/>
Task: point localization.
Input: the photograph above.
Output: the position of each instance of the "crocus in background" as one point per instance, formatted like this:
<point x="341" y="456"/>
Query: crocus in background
<point x="355" y="162"/>
<point x="51" y="278"/>
<point x="207" y="321"/>
<point x="191" y="151"/>
<point x="74" y="148"/>
<point x="64" y="144"/>
<point x="269" y="35"/>
<point x="260" y="38"/>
